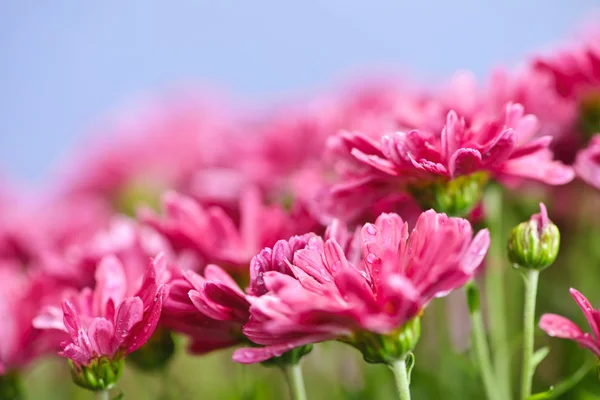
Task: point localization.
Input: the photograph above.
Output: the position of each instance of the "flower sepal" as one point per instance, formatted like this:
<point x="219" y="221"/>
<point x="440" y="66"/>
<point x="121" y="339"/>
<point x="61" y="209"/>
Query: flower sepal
<point x="456" y="197"/>
<point x="101" y="374"/>
<point x="291" y="357"/>
<point x="156" y="353"/>
<point x="386" y="349"/>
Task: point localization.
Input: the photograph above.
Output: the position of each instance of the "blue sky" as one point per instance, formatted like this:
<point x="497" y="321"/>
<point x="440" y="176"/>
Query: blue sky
<point x="65" y="64"/>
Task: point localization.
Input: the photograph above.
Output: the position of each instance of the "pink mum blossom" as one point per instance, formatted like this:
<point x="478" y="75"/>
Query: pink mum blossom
<point x="21" y="298"/>
<point x="210" y="309"/>
<point x="332" y="293"/>
<point x="561" y="327"/>
<point x="576" y="69"/>
<point x="132" y="243"/>
<point x="504" y="147"/>
<point x="587" y="163"/>
<point x="211" y="235"/>
<point x="108" y="321"/>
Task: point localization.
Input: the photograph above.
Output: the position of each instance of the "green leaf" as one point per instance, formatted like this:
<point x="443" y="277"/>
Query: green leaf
<point x="539" y="356"/>
<point x="120" y="396"/>
<point x="542" y="395"/>
<point x="410" y="363"/>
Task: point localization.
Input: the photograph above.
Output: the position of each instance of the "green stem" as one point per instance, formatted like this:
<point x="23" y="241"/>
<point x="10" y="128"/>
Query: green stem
<point x="401" y="378"/>
<point x="102" y="395"/>
<point x="531" y="277"/>
<point x="482" y="352"/>
<point x="494" y="285"/>
<point x="573" y="380"/>
<point x="293" y="375"/>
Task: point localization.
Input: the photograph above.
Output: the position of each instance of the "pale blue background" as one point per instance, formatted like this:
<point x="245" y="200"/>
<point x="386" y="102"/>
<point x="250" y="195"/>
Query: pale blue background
<point x="63" y="64"/>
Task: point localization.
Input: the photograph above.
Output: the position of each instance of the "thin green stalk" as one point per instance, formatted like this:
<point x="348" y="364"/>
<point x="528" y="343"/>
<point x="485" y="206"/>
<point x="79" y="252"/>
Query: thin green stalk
<point x="573" y="380"/>
<point x="102" y="395"/>
<point x="293" y="375"/>
<point x="482" y="352"/>
<point x="494" y="286"/>
<point x="401" y="379"/>
<point x="531" y="277"/>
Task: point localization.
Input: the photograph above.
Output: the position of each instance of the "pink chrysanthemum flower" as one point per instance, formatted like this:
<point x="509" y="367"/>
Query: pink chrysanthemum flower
<point x="446" y="171"/>
<point x="211" y="235"/>
<point x="363" y="296"/>
<point x="132" y="243"/>
<point x="212" y="309"/>
<point x="561" y="327"/>
<point x="587" y="163"/>
<point x="161" y="144"/>
<point x="575" y="72"/>
<point x="21" y="297"/>
<point x="109" y="322"/>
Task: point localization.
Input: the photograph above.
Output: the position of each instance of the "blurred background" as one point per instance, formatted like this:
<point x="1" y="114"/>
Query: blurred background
<point x="66" y="64"/>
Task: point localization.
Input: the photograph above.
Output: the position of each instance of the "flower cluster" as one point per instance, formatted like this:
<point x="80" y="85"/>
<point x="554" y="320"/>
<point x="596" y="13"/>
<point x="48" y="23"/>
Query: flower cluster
<point x="341" y="219"/>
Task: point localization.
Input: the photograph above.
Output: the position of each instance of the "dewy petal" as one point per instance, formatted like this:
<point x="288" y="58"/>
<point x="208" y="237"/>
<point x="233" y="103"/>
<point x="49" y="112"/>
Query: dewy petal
<point x="591" y="315"/>
<point x="476" y="251"/>
<point x="252" y="355"/>
<point x="76" y="353"/>
<point x="101" y="334"/>
<point x="464" y="161"/>
<point x="129" y="313"/>
<point x="142" y="331"/>
<point x="538" y="166"/>
<point x="559" y="326"/>
<point x="71" y="318"/>
<point x="111" y="283"/>
<point x="501" y="149"/>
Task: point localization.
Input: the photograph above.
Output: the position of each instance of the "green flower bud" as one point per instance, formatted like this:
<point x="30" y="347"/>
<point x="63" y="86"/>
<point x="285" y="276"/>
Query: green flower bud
<point x="534" y="244"/>
<point x="10" y="386"/>
<point x="156" y="353"/>
<point x="385" y="349"/>
<point x="456" y="197"/>
<point x="100" y="374"/>
<point x="291" y="357"/>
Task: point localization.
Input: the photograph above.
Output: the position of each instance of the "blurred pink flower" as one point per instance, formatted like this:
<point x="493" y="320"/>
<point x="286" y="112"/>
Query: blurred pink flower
<point x="21" y="298"/>
<point x="561" y="327"/>
<point x="141" y="152"/>
<point x="132" y="243"/>
<point x="587" y="163"/>
<point x="109" y="321"/>
<point x="211" y="235"/>
<point x="576" y="69"/>
<point x="210" y="309"/>
<point x="505" y="148"/>
<point x="332" y="293"/>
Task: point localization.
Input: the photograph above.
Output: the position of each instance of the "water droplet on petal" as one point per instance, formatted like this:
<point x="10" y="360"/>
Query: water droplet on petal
<point x="371" y="258"/>
<point x="371" y="229"/>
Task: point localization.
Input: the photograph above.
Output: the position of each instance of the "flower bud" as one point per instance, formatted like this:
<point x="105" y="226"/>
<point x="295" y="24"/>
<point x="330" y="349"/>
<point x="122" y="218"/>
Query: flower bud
<point x="10" y="386"/>
<point x="386" y="349"/>
<point x="456" y="197"/>
<point x="156" y="353"/>
<point x="534" y="244"/>
<point x="100" y="374"/>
